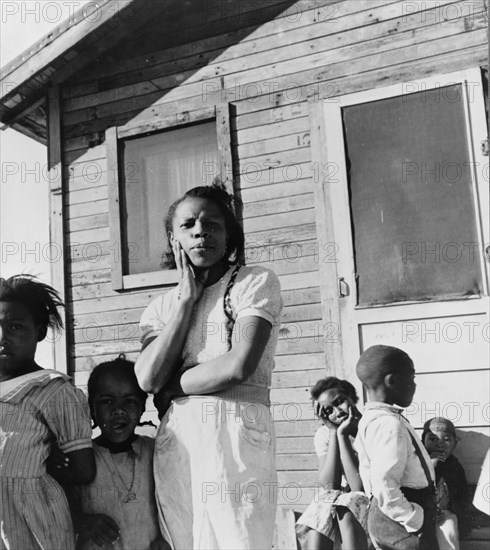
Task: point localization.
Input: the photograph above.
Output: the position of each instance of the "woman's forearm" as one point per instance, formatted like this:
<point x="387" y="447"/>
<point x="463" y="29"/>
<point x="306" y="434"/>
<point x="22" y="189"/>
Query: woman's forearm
<point x="350" y="463"/>
<point x="159" y="359"/>
<point x="216" y="375"/>
<point x="231" y="368"/>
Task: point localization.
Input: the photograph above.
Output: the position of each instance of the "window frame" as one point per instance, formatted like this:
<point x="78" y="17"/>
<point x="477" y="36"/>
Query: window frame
<point x="113" y="137"/>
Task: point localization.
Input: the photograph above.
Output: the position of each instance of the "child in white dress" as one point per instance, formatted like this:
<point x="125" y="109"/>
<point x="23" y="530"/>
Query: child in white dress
<point x="339" y="514"/>
<point x="118" y="509"/>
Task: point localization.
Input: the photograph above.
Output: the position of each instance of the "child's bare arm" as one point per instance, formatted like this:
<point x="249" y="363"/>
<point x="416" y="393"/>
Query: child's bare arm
<point x="329" y="466"/>
<point x="77" y="468"/>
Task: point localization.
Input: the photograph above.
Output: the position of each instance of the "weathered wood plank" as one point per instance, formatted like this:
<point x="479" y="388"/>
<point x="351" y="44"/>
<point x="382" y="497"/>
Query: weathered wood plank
<point x="305" y="296"/>
<point x="222" y="18"/>
<point x="274" y="221"/>
<point x="90" y="172"/>
<point x="276" y="169"/>
<point x="295" y="428"/>
<point x="88" y="222"/>
<point x="230" y="48"/>
<point x="89" y="236"/>
<point x="92" y="154"/>
<point x="280" y="47"/>
<point x="277" y="190"/>
<point x="261" y="147"/>
<point x="295" y="462"/>
<point x="388" y="49"/>
<point x="292" y="363"/>
<point x="87" y="181"/>
<point x="300" y="345"/>
<point x="87" y="208"/>
<point x="84" y="265"/>
<point x="288" y="61"/>
<point x="86" y="195"/>
<point x="322" y="86"/>
<point x="299" y="17"/>
<point x="319" y="84"/>
<point x="272" y="115"/>
<point x="270" y="130"/>
<point x="301" y="312"/>
<point x="110" y="318"/>
<point x="297" y="379"/>
<point x="281" y="258"/>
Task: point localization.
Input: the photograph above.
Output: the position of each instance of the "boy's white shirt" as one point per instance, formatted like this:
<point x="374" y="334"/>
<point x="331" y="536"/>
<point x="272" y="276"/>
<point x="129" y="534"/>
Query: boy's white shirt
<point x="388" y="461"/>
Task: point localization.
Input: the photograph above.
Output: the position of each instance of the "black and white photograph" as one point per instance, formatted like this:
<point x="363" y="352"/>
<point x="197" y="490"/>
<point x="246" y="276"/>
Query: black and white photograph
<point x="245" y="275"/>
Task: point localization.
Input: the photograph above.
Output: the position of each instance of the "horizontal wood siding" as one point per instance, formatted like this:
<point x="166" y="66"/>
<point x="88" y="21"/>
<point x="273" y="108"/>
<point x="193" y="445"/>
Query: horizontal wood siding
<point x="317" y="49"/>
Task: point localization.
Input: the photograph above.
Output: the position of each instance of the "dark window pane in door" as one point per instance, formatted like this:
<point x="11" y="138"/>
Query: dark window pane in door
<point x="411" y="198"/>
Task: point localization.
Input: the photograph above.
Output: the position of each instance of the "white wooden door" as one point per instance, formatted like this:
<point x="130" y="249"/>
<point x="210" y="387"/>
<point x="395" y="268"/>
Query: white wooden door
<point x="403" y="204"/>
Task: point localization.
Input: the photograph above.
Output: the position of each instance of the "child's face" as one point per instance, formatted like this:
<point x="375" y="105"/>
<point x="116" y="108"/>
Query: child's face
<point x="439" y="441"/>
<point x="336" y="405"/>
<point x="18" y="338"/>
<point x="403" y="388"/>
<point x="117" y="407"/>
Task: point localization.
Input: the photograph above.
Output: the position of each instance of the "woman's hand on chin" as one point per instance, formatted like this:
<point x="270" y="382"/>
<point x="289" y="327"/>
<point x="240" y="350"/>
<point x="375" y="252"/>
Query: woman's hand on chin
<point x="191" y="285"/>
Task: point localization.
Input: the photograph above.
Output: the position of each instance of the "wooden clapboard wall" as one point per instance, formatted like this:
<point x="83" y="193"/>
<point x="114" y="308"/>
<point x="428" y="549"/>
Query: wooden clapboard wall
<point x="266" y="71"/>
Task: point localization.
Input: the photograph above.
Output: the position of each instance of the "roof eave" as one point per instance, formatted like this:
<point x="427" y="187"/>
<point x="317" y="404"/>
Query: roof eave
<point x="25" y="80"/>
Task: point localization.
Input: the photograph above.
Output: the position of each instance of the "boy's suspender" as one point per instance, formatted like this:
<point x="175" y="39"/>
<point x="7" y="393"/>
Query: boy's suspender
<point x="418" y="452"/>
<point x="423" y="462"/>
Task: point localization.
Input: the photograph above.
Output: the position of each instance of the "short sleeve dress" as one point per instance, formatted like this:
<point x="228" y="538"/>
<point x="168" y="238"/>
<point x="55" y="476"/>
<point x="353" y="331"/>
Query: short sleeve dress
<point x="321" y="513"/>
<point x="214" y="463"/>
<point x="123" y="489"/>
<point x="37" y="410"/>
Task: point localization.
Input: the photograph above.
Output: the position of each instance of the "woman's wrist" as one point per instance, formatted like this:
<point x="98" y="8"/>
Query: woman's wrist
<point x="186" y="303"/>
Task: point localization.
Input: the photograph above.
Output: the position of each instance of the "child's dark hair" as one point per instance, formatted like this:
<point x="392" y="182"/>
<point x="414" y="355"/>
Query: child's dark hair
<point x="122" y="368"/>
<point x="39" y="298"/>
<point x="330" y="382"/>
<point x="227" y="205"/>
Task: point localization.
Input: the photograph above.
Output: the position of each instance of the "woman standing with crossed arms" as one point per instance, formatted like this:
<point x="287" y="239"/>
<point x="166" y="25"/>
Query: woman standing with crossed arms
<point x="209" y="343"/>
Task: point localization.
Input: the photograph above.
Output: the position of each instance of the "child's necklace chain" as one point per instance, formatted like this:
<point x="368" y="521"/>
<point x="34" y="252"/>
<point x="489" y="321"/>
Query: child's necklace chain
<point x="130" y="493"/>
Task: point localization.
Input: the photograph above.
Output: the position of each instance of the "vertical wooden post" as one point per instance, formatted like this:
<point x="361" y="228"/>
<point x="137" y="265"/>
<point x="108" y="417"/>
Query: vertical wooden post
<point x="224" y="145"/>
<point x="115" y="227"/>
<point x="334" y="356"/>
<point x="56" y="218"/>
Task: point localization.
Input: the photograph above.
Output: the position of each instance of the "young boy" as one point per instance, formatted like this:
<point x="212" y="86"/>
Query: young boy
<point x="393" y="464"/>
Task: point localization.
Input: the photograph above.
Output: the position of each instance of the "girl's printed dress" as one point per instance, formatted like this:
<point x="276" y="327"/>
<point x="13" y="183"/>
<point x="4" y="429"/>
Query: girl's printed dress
<point x="36" y="410"/>
<point x="321" y="513"/>
<point x="215" y="469"/>
<point x="124" y="490"/>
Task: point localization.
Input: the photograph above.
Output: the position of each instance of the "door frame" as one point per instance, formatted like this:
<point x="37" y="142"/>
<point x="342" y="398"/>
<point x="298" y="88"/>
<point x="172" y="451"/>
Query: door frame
<point x="342" y="344"/>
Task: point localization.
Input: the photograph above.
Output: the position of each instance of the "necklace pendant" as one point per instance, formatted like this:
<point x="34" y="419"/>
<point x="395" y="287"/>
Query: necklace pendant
<point x="130" y="497"/>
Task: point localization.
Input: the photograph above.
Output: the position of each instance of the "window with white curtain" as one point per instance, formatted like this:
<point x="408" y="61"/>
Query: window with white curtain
<point x="158" y="169"/>
<point x="150" y="165"/>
